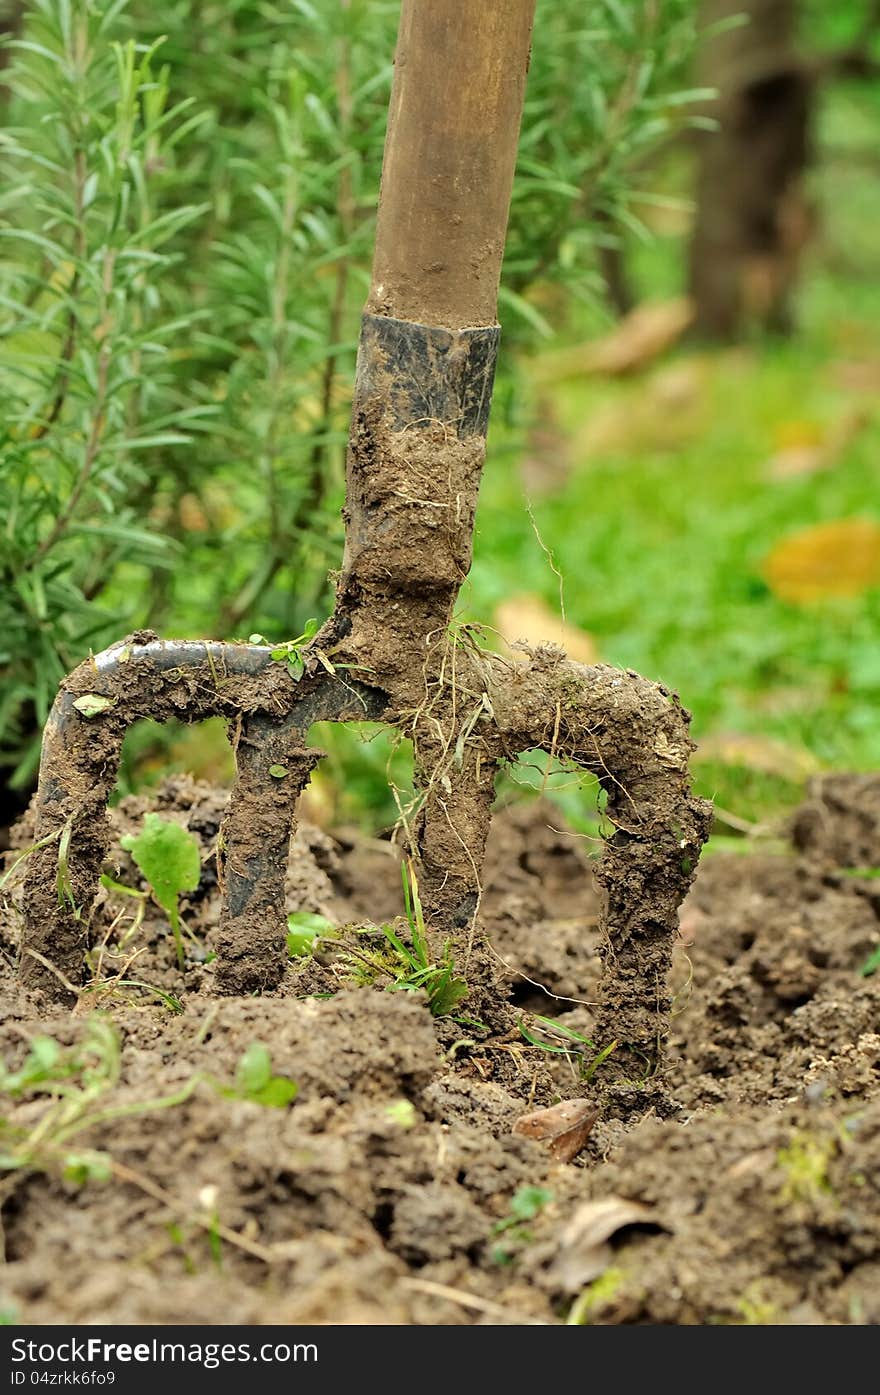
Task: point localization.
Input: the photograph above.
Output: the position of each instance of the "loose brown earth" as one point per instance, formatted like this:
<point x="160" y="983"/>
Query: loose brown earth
<point x="749" y="1192"/>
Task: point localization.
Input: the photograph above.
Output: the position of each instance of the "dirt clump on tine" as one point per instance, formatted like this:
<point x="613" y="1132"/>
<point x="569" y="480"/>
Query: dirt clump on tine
<point x="399" y="582"/>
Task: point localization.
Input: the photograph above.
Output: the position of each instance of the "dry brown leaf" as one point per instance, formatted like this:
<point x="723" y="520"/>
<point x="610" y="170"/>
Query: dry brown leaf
<point x="797" y="460"/>
<point x="765" y="754"/>
<point x="857" y="375"/>
<point x="805" y="447"/>
<point x="584" y="1252"/>
<point x="831" y="559"/>
<point x="664" y="219"/>
<point x="661" y="413"/>
<point x="640" y="337"/>
<point x="565" y="1127"/>
<point x="679" y="384"/>
<point x="191" y="514"/>
<point x="530" y="620"/>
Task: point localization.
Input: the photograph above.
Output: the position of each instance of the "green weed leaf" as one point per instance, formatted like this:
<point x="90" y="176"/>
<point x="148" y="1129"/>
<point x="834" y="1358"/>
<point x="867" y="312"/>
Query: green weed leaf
<point x="871" y="964"/>
<point x="254" y="1079"/>
<point x="304" y="928"/>
<point x="254" y="1068"/>
<point x="43" y="1063"/>
<point x="277" y="1093"/>
<point x="402" y="1113"/>
<point x="85" y="1167"/>
<point x="528" y="1202"/>
<point x="168" y="856"/>
<point x="92" y="704"/>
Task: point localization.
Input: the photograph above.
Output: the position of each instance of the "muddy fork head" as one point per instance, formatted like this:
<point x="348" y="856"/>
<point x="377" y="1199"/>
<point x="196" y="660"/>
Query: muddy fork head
<point x="629" y="732"/>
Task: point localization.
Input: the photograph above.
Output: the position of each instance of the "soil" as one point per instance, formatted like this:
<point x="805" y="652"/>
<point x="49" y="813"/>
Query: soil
<point x="742" y="1186"/>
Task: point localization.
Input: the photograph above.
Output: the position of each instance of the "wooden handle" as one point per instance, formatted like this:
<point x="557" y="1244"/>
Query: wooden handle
<point x="450" y="151"/>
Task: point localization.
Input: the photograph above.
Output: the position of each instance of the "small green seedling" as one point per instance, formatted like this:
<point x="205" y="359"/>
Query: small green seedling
<point x="179" y="1239"/>
<point x="304" y="929"/>
<point x="63" y="884"/>
<point x="289" y="652"/>
<point x="871" y="964"/>
<point x="755" y="1309"/>
<point x="168" y="856"/>
<point x="27" y="852"/>
<point x="292" y="653"/>
<point x="254" y="1080"/>
<point x="445" y="991"/>
<point x="408" y="967"/>
<point x="403" y="1113"/>
<point x="596" y="1296"/>
<point x="804" y="1165"/>
<point x="525" y="1205"/>
<point x="72" y="1084"/>
<point x="90" y="1166"/>
<point x="45" y="1070"/>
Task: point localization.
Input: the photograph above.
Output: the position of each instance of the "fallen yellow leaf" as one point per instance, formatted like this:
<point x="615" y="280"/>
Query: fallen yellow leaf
<point x="641" y="336"/>
<point x="831" y="559"/>
<point x="792" y="435"/>
<point x="804" y="447"/>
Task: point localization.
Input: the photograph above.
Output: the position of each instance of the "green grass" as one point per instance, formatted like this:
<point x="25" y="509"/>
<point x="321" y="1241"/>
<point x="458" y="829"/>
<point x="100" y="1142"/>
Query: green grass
<point x="384" y="956"/>
<point x="660" y="531"/>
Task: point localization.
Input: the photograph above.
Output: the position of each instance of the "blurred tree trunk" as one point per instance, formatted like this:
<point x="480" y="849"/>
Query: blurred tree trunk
<point x="11" y="15"/>
<point x="753" y="216"/>
<point x="612" y="265"/>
